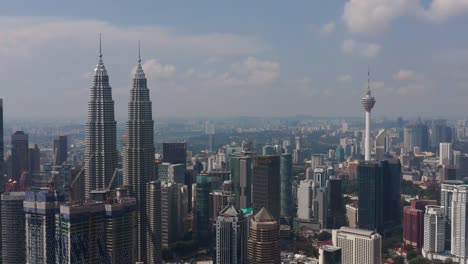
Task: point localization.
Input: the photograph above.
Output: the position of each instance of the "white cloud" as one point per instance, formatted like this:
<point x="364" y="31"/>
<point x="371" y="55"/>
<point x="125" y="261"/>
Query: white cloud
<point x="344" y="78"/>
<point x="372" y="50"/>
<point x="377" y="85"/>
<point x="257" y="71"/>
<point x="375" y="16"/>
<point x="328" y="28"/>
<point x="155" y="70"/>
<point x="404" y="75"/>
<point x="348" y="46"/>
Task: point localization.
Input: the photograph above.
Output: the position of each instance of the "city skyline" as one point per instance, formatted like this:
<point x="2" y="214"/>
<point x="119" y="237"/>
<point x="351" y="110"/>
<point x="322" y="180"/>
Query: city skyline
<point x="272" y="67"/>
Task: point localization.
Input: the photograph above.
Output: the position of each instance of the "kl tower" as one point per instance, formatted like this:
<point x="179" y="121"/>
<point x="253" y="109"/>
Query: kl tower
<point x="368" y="102"/>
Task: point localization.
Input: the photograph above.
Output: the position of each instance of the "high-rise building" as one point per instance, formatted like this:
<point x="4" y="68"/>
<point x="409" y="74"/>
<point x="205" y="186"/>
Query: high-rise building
<point x="336" y="208"/>
<point x="154" y="223"/>
<point x="445" y="154"/>
<point x="2" y="158"/>
<point x="448" y="172"/>
<point x="379" y="194"/>
<point x="413" y="222"/>
<point x="60" y="149"/>
<point x="461" y="163"/>
<point x="287" y="205"/>
<point x="171" y="217"/>
<point x="263" y="243"/>
<point x="175" y="153"/>
<point x="13" y="228"/>
<point x="358" y="245"/>
<point x="139" y="164"/>
<point x="415" y="135"/>
<point x="203" y="227"/>
<point x="266" y="185"/>
<point x="34" y="160"/>
<point x="368" y="102"/>
<point x="459" y="245"/>
<point x="434" y="229"/>
<point x="330" y="255"/>
<point x="101" y="149"/>
<point x="231" y="236"/>
<point x="40" y="208"/>
<point x="241" y="176"/>
<point x="447" y="190"/>
<point x="440" y="132"/>
<point x="19" y="154"/>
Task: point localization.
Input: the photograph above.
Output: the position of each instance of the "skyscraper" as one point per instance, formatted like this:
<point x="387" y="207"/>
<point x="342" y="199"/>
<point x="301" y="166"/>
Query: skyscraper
<point x="263" y="243"/>
<point x="266" y="185"/>
<point x="34" y="160"/>
<point x="13" y="228"/>
<point x="459" y="238"/>
<point x="241" y="176"/>
<point x="434" y="229"/>
<point x="445" y="154"/>
<point x="368" y="102"/>
<point x="413" y="222"/>
<point x="175" y="153"/>
<point x="336" y="208"/>
<point x="139" y="164"/>
<point x="101" y="150"/>
<point x="2" y="159"/>
<point x="358" y="246"/>
<point x="154" y="222"/>
<point x="40" y="208"/>
<point x="60" y="149"/>
<point x="231" y="236"/>
<point x="286" y="185"/>
<point x="330" y="255"/>
<point x="19" y="154"/>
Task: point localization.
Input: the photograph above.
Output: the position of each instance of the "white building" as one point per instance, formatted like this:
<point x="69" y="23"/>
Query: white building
<point x="459" y="222"/>
<point x="445" y="154"/>
<point x="434" y="229"/>
<point x="358" y="246"/>
<point x="305" y="195"/>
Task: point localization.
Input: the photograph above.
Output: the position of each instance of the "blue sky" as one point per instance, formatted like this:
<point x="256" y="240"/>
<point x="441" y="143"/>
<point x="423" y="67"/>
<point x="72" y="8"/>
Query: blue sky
<point x="228" y="58"/>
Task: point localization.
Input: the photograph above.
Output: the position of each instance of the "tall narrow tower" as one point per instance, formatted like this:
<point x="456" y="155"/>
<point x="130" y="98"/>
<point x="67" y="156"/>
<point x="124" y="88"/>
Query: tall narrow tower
<point x="368" y="102"/>
<point x="101" y="150"/>
<point x="139" y="153"/>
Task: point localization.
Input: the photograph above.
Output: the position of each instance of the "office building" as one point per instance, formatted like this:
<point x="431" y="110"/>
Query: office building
<point x="330" y="255"/>
<point x="176" y="173"/>
<point x="175" y="153"/>
<point x="263" y="243"/>
<point x="413" y="222"/>
<point x="40" y="208"/>
<point x="241" y="177"/>
<point x="336" y="209"/>
<point x="358" y="246"/>
<point x="415" y="135"/>
<point x="154" y="238"/>
<point x="339" y="154"/>
<point x="2" y="146"/>
<point x="13" y="228"/>
<point x="368" y="102"/>
<point x="203" y="227"/>
<point x="461" y="163"/>
<point x="434" y="229"/>
<point x="139" y="164"/>
<point x="101" y="149"/>
<point x="440" y="132"/>
<point x="34" y="160"/>
<point x="287" y="206"/>
<point x="379" y="194"/>
<point x="231" y="236"/>
<point x="266" y="185"/>
<point x="448" y="173"/>
<point x="445" y="154"/>
<point x="60" y="149"/>
<point x="171" y="213"/>
<point x="19" y="155"/>
<point x="352" y="214"/>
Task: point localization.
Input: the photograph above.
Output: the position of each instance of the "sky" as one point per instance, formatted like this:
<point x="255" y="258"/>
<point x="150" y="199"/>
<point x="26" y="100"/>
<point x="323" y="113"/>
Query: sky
<point x="237" y="58"/>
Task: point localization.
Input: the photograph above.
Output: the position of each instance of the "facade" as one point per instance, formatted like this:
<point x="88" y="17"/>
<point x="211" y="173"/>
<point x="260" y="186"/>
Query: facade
<point x="13" y="228"/>
<point x="154" y="239"/>
<point x="358" y="246"/>
<point x="266" y="185"/>
<point x="139" y="164"/>
<point x="241" y="176"/>
<point x="34" y="160"/>
<point x="231" y="236"/>
<point x="203" y="227"/>
<point x="101" y="150"/>
<point x="379" y="194"/>
<point x="171" y="213"/>
<point x="60" y="149"/>
<point x="447" y="190"/>
<point x="336" y="208"/>
<point x="305" y="197"/>
<point x="445" y="154"/>
<point x="413" y="222"/>
<point x="440" y="132"/>
<point x="175" y="153"/>
<point x="19" y="155"/>
<point x="434" y="229"/>
<point x="448" y="173"/>
<point x="287" y="206"/>
<point x="368" y="102"/>
<point x="461" y="163"/>
<point x="416" y="135"/>
<point x="2" y="158"/>
<point x="263" y="243"/>
<point x="459" y="245"/>
<point x="40" y="208"/>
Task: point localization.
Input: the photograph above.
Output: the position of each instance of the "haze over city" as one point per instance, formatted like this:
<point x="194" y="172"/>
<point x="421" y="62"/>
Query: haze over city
<point x="251" y="58"/>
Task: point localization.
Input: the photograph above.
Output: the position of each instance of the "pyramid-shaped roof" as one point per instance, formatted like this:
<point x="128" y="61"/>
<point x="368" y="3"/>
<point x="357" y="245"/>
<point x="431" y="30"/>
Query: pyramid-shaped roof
<point x="229" y="210"/>
<point x="264" y="216"/>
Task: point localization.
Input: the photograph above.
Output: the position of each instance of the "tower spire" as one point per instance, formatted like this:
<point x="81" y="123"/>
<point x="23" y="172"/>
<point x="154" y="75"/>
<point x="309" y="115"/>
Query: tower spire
<point x="139" y="53"/>
<point x="100" y="47"/>
<point x="368" y="80"/>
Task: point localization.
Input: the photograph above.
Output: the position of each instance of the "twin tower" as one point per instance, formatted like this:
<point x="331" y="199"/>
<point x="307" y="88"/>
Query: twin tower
<point x="101" y="150"/>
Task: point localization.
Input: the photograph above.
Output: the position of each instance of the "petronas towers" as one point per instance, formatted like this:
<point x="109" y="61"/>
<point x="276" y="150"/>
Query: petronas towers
<point x="138" y="155"/>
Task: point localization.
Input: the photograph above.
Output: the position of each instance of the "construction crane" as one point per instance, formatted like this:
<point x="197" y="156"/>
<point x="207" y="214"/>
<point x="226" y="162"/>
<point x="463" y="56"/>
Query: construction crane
<point x="70" y="187"/>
